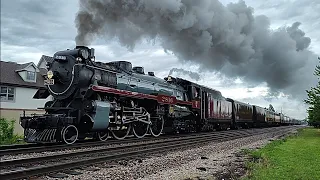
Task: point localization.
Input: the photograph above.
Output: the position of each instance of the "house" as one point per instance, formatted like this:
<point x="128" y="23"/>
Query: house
<point x="19" y="83"/>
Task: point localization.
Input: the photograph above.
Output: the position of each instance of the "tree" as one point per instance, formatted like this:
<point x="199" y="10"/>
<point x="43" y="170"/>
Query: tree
<point x="314" y="101"/>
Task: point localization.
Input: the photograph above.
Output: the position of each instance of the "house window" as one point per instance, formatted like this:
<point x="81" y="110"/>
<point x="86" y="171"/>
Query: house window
<point x="7" y="93"/>
<point x="31" y="75"/>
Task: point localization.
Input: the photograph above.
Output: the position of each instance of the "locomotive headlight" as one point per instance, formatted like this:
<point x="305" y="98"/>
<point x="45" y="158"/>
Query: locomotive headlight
<point x="49" y="74"/>
<point x="84" y="53"/>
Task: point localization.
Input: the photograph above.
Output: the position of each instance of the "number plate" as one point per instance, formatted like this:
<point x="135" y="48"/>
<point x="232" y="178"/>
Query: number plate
<point x="166" y="99"/>
<point x="49" y="82"/>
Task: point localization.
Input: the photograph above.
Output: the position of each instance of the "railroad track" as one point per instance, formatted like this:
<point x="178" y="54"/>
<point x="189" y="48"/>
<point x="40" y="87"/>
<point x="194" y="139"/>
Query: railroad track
<point x="34" y="148"/>
<point x="53" y="163"/>
<point x="101" y="144"/>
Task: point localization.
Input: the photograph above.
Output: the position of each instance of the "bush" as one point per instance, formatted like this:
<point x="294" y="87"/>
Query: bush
<point x="6" y="132"/>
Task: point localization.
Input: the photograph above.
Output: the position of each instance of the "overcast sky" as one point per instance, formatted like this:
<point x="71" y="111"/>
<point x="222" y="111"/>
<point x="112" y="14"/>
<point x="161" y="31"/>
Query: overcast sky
<point x="31" y="28"/>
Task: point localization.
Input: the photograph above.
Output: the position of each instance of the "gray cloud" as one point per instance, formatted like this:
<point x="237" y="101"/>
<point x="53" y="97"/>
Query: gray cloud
<point x="44" y="25"/>
<point x="229" y="39"/>
<point x="292" y="108"/>
<point x="298" y="8"/>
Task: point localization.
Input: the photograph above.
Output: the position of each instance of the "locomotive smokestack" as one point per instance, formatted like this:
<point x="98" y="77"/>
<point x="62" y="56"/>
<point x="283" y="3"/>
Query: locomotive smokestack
<point x="82" y="47"/>
<point x="90" y="51"/>
<point x="229" y="39"/>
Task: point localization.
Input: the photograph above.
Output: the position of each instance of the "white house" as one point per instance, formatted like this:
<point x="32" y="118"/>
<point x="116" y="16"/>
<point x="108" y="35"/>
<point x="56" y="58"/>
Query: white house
<point x="19" y="83"/>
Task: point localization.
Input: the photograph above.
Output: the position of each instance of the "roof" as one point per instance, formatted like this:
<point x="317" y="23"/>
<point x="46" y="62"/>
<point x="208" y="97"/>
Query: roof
<point x="45" y="58"/>
<point x="25" y="66"/>
<point x="239" y="102"/>
<point x="10" y="76"/>
<point x="22" y="66"/>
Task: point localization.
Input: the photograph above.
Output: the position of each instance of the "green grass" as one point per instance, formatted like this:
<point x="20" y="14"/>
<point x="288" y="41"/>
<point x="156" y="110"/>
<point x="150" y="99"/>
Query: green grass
<point x="294" y="158"/>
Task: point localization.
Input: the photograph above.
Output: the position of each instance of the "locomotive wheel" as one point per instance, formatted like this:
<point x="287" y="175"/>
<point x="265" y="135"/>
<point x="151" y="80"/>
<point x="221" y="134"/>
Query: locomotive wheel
<point x="103" y="136"/>
<point x="156" y="126"/>
<point x="140" y="129"/>
<point x="69" y="134"/>
<point x="122" y="132"/>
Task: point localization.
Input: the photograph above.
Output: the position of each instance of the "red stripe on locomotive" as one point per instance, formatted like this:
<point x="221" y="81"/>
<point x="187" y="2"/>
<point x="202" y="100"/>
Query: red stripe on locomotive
<point x="162" y="99"/>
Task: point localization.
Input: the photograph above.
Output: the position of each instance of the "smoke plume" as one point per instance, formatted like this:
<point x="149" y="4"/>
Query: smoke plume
<point x="229" y="39"/>
<point x="193" y="75"/>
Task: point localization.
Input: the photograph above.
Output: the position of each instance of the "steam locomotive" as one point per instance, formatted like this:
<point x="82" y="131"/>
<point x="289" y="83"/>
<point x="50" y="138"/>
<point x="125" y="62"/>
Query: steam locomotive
<point x="99" y="100"/>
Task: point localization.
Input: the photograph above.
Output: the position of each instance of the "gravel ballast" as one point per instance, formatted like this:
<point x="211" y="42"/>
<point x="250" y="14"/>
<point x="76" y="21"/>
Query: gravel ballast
<point x="204" y="162"/>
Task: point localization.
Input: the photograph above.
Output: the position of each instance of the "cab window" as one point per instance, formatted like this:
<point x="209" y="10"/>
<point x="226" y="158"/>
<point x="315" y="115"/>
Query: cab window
<point x="179" y="95"/>
<point x="186" y="97"/>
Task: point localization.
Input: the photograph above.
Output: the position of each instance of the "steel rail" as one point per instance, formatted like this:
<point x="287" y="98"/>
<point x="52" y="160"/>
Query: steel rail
<point x="32" y="148"/>
<point x="13" y="146"/>
<point x="16" y="149"/>
<point x="54" y="147"/>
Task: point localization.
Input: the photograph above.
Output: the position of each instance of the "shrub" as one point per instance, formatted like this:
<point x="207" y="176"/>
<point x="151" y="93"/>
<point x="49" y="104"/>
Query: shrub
<point x="7" y="135"/>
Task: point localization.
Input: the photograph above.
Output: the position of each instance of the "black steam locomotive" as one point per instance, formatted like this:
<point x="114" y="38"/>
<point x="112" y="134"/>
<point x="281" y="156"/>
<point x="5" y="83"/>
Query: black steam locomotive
<point x="99" y="100"/>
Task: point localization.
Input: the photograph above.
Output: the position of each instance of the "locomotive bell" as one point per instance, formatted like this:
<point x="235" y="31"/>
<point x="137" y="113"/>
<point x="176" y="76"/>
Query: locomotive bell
<point x="138" y="69"/>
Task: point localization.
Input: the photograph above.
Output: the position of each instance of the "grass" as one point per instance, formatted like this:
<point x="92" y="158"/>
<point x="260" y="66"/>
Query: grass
<point x="294" y="158"/>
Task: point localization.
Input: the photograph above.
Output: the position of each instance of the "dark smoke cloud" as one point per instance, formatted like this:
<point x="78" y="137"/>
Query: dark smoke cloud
<point x="192" y="75"/>
<point x="227" y="39"/>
